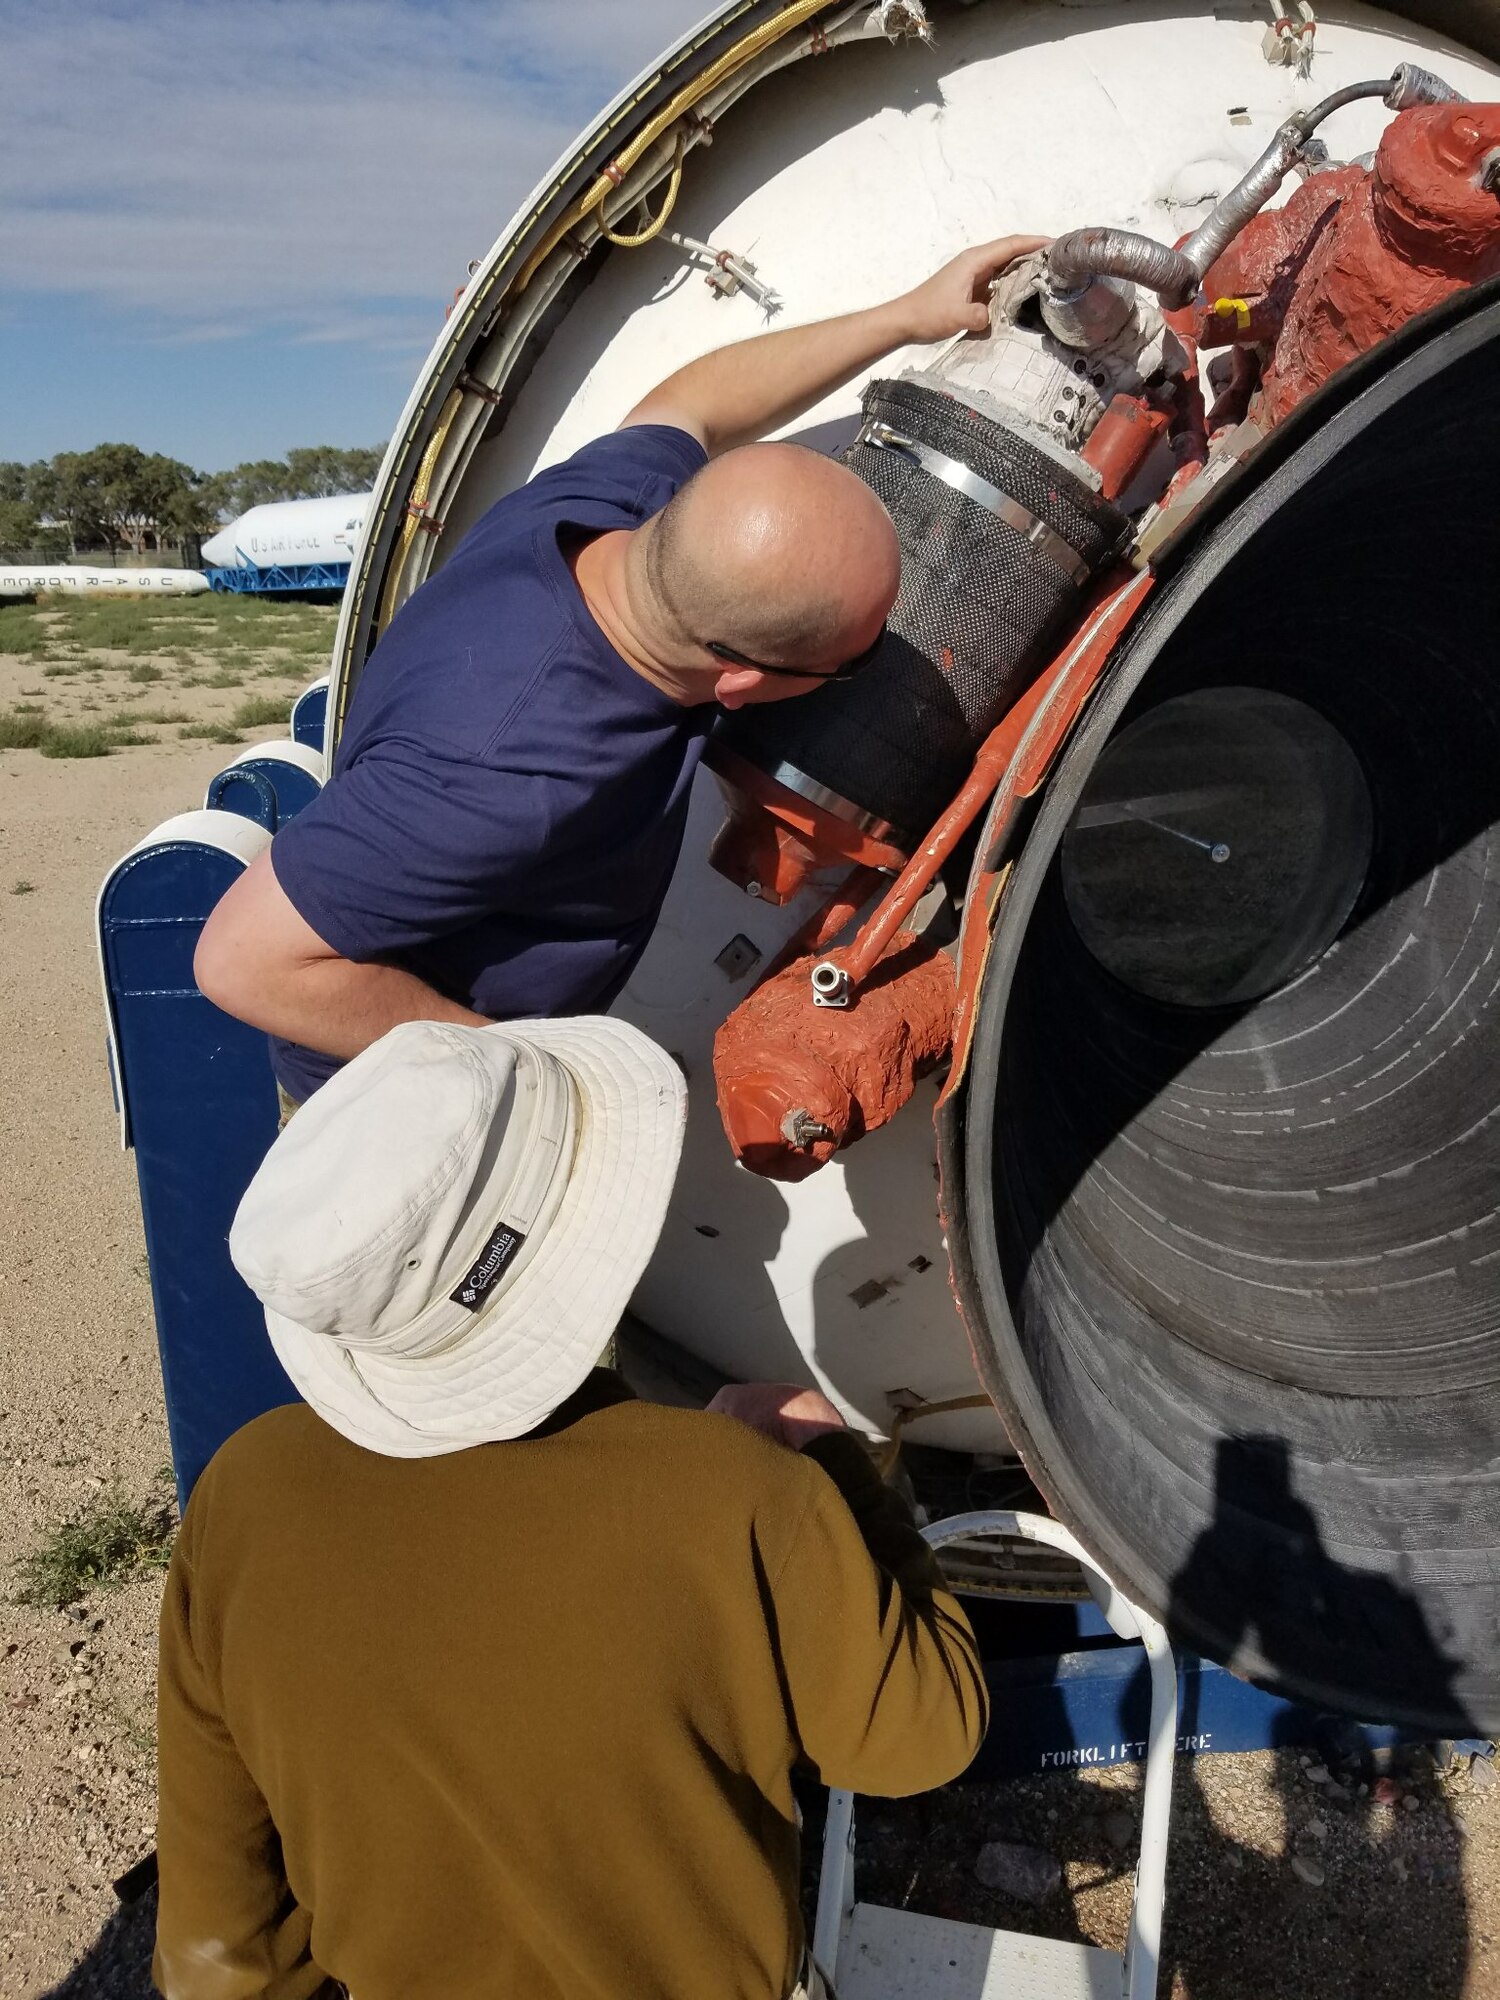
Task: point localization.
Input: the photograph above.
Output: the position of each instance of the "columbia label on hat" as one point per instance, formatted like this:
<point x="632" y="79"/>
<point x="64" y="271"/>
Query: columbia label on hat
<point x="491" y="1265"/>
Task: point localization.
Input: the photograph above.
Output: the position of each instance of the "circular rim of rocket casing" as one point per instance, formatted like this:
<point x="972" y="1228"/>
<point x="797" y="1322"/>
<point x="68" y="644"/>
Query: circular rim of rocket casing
<point x="967" y="1118"/>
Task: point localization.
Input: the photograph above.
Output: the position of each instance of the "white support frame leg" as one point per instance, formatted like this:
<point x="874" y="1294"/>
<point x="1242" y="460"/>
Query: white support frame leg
<point x="1142" y="1958"/>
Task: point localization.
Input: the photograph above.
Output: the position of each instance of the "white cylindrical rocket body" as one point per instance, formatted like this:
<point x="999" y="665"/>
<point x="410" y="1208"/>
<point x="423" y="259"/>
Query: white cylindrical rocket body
<point x="285" y="533"/>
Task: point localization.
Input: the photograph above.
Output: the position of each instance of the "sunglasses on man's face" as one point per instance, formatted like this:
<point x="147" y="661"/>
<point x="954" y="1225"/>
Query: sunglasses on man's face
<point x="846" y="672"/>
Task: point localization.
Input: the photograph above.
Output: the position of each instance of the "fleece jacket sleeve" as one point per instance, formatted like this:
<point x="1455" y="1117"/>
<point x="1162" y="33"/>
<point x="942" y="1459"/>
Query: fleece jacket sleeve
<point x="228" y="1926"/>
<point x="880" y="1664"/>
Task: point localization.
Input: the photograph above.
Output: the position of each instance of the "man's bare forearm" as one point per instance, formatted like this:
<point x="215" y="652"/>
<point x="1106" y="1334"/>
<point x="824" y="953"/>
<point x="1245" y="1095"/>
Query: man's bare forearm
<point x="261" y="961"/>
<point x="339" y="1008"/>
<point x="740" y="392"/>
<point x="756" y="385"/>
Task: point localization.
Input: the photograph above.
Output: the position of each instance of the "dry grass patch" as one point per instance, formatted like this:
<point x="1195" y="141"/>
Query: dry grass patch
<point x="22" y="730"/>
<point x="88" y="739"/>
<point x="209" y="732"/>
<point x="28" y="729"/>
<point x="261" y="711"/>
<point x="101" y="1546"/>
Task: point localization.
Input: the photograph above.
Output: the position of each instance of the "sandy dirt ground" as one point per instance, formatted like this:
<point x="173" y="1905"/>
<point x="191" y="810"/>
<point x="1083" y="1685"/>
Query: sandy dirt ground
<point x="1279" y="1888"/>
<point x="80" y="1395"/>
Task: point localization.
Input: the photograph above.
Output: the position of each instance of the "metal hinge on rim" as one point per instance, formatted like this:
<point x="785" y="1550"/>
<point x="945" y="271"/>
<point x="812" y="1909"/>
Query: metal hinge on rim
<point x="964" y="479"/>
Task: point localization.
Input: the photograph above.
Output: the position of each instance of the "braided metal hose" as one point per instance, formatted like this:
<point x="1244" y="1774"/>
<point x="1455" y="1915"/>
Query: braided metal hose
<point x="1076" y="260"/>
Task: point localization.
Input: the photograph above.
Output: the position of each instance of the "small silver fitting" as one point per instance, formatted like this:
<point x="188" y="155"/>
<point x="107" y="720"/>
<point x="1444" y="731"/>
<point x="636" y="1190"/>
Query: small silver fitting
<point x="801" y="1129"/>
<point x="830" y="985"/>
<point x="1411" y="84"/>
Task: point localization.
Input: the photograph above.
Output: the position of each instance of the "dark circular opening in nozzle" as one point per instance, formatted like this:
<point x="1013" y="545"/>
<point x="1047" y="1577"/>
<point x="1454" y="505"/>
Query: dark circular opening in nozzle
<point x="1219" y="847"/>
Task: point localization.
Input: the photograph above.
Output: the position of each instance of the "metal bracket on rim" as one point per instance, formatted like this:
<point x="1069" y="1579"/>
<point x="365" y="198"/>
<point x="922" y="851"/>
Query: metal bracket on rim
<point x="963" y="479"/>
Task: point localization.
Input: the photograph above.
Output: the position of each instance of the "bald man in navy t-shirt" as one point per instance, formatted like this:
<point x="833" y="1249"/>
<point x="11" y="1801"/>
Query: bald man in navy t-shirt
<point x="508" y="795"/>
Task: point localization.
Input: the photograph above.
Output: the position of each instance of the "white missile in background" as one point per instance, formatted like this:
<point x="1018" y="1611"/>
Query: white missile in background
<point x="26" y="579"/>
<point x="287" y="533"/>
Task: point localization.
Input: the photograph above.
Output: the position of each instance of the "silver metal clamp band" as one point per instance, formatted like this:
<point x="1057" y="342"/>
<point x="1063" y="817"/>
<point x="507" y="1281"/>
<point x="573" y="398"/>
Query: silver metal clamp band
<point x="963" y="479"/>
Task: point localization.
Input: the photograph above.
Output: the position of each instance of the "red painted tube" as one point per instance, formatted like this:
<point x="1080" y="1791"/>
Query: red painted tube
<point x="825" y="923"/>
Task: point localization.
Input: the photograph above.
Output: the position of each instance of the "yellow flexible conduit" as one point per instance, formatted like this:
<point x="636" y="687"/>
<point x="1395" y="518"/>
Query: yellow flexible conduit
<point x="416" y="504"/>
<point x="658" y="222"/>
<point x="744" y="51"/>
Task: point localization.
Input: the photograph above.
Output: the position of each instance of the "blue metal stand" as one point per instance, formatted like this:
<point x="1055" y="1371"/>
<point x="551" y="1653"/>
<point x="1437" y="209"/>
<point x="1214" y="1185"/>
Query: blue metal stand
<point x="310" y="715"/>
<point x="198" y="1103"/>
<point x="1066" y="1693"/>
<point x="196" y="1095"/>
<point x="269" y="784"/>
<point x="248" y="581"/>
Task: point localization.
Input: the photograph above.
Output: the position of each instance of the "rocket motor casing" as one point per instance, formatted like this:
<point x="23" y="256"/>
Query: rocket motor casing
<point x="1228" y="1274"/>
<point x="1038" y="116"/>
<point x="283" y="533"/>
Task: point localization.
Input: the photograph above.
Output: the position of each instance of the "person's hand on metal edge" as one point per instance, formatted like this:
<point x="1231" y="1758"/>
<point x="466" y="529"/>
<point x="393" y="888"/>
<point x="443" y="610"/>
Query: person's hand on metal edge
<point x="955" y="299"/>
<point x="783" y="1411"/>
<point x="737" y="393"/>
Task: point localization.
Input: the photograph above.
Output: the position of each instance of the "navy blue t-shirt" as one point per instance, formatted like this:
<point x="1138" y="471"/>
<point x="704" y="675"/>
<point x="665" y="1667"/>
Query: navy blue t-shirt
<point x="508" y="795"/>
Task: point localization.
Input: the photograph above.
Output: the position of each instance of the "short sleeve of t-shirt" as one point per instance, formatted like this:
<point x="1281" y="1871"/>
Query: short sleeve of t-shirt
<point x="494" y="734"/>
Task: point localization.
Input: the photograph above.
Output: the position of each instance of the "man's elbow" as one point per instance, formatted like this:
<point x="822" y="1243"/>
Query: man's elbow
<point x="947" y="1740"/>
<point x="940" y="1735"/>
<point x="224" y="967"/>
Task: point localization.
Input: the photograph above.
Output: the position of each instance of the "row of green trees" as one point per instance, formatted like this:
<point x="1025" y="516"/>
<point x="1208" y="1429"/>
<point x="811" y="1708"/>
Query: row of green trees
<point x="119" y="497"/>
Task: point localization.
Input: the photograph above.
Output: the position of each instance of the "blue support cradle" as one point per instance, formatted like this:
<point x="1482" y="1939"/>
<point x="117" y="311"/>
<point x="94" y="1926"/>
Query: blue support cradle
<point x="198" y="1104"/>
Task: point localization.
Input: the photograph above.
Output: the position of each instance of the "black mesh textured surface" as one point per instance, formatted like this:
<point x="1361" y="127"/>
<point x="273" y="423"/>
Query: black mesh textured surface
<point x="980" y="611"/>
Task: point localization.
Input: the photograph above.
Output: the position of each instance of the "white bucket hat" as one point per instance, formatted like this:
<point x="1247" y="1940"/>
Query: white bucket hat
<point x="446" y="1234"/>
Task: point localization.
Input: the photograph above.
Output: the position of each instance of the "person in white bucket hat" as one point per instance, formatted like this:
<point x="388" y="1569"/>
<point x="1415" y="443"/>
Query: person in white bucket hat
<point x="480" y="1677"/>
<point x="456" y="1294"/>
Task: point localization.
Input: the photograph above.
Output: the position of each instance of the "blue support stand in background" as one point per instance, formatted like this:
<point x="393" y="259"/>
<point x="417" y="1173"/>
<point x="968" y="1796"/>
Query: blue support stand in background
<point x="279" y="580"/>
<point x="1071" y="1694"/>
<point x="198" y="1104"/>
<point x="310" y="715"/>
<point x="196" y="1095"/>
<point x="269" y="784"/>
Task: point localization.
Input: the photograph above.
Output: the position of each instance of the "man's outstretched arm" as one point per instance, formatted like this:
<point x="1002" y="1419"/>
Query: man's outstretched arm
<point x="882" y="1674"/>
<point x="741" y="392"/>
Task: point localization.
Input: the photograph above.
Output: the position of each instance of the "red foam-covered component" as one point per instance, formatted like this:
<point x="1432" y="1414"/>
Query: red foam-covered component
<point x="1354" y="255"/>
<point x="847" y="1070"/>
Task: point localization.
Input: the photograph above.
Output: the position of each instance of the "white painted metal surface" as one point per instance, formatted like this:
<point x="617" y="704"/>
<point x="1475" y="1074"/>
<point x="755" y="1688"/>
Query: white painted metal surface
<point x="894" y="1955"/>
<point x="91" y="580"/>
<point x="285" y="751"/>
<point x="848" y="177"/>
<point x="886" y="1954"/>
<point x="286" y="532"/>
<point x="851" y="176"/>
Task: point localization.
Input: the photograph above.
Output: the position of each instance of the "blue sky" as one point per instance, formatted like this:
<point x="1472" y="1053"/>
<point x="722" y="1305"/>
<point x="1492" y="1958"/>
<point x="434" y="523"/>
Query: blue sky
<point x="229" y="229"/>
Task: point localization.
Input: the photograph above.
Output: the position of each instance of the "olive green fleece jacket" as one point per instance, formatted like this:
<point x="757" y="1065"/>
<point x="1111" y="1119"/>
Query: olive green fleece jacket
<point x="520" y="1720"/>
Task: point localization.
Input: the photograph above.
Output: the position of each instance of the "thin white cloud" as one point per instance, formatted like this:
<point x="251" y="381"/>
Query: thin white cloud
<point x="324" y="169"/>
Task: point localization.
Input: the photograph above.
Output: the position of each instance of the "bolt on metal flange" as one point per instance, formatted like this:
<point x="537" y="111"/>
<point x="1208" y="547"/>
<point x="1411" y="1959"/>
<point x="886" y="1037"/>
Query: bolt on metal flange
<point x="830" y="985"/>
<point x="801" y="1129"/>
